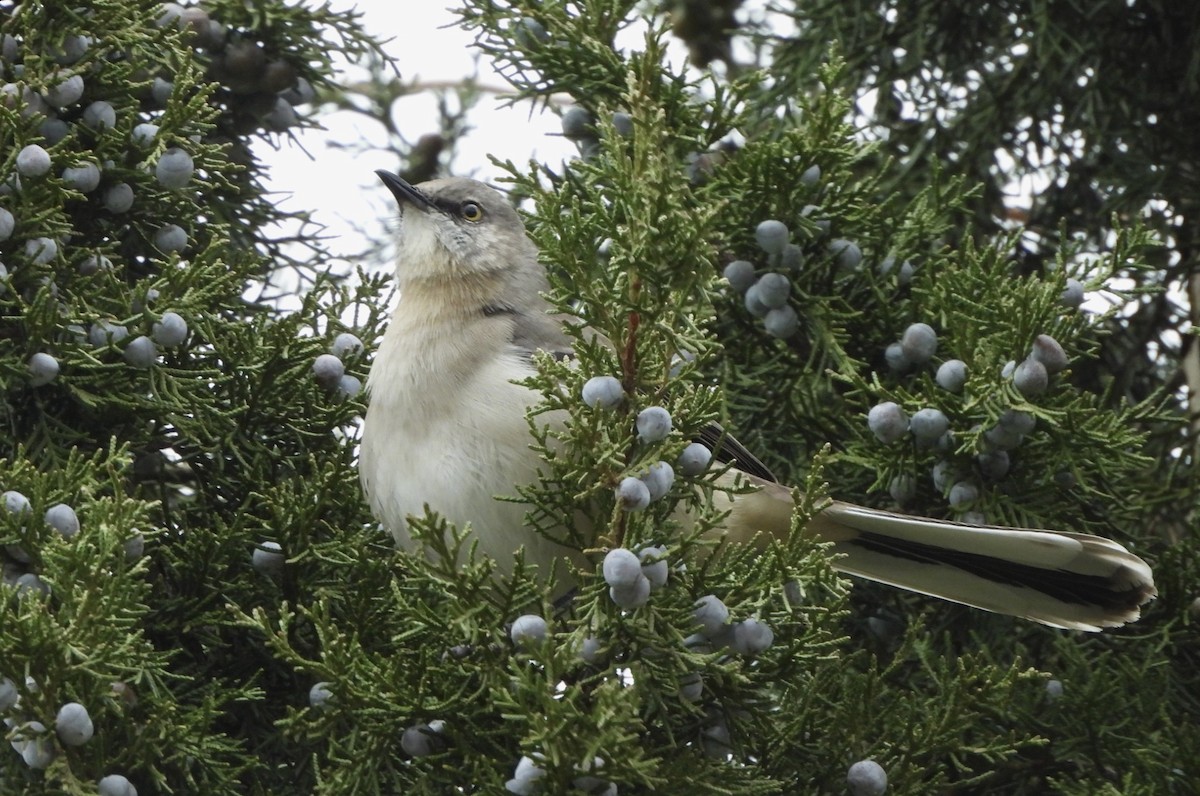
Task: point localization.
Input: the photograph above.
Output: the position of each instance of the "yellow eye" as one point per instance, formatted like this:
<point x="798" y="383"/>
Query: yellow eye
<point x="471" y="211"/>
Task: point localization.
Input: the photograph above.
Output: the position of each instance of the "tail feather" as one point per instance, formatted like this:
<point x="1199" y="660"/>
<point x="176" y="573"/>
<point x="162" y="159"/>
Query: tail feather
<point x="1065" y="580"/>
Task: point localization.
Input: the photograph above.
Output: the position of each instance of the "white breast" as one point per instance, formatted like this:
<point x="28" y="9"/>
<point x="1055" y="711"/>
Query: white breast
<point x="446" y="429"/>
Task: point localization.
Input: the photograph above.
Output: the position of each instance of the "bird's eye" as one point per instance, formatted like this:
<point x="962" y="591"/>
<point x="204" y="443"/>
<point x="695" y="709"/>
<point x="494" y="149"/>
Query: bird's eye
<point x="471" y="211"/>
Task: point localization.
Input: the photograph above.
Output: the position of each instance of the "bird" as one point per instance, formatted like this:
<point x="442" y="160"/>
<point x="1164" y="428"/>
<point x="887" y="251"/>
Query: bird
<point x="446" y="430"/>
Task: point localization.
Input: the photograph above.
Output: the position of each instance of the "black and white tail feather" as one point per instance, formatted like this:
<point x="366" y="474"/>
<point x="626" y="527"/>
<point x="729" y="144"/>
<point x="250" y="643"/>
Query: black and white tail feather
<point x="1067" y="580"/>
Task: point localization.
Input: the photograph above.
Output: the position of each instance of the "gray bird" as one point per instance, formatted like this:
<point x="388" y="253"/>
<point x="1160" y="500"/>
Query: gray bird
<point x="446" y="429"/>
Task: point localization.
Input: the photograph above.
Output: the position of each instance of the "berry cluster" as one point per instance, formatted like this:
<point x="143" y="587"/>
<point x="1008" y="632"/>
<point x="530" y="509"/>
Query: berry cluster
<point x="73" y="726"/>
<point x="930" y="428"/>
<point x="769" y="296"/>
<point x="579" y="125"/>
<point x="632" y="575"/>
<point x="330" y="369"/>
<point x="260" y="86"/>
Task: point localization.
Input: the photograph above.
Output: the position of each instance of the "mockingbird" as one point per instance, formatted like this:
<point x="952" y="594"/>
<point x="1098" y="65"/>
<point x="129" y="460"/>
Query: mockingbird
<point x="446" y="429"/>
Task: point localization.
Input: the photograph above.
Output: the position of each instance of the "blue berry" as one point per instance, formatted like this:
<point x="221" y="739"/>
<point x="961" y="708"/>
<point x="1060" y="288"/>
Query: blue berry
<point x="73" y="724"/>
<point x="781" y="323"/>
<point x="15" y="503"/>
<point x="344" y="345"/>
<point x="41" y="250"/>
<point x="33" y="161"/>
<point x="421" y="740"/>
<point x="34" y="746"/>
<point x="740" y="274"/>
<point x="1017" y="422"/>
<point x="694" y="460"/>
<point x="100" y="116"/>
<point x="589" y="650"/>
<point x="903" y="488"/>
<point x="993" y="465"/>
<point x="529" y="32"/>
<point x="633" y="494"/>
<point x="1065" y="479"/>
<point x="170" y="331"/>
<point x="141" y="352"/>
<point x="792" y="258"/>
<point x="134" y="547"/>
<point x="952" y="375"/>
<point x="602" y="392"/>
<point x="118" y="198"/>
<point x="654" y="565"/>
<point x="161" y="91"/>
<point x="1050" y="353"/>
<point x="621" y="567"/>
<point x="170" y="238"/>
<point x="847" y="253"/>
<point x="267" y="558"/>
<point x="43" y="369"/>
<point x="66" y="93"/>
<point x="750" y="637"/>
<point x="773" y="290"/>
<point x="772" y="235"/>
<point x="943" y="471"/>
<point x="1072" y="294"/>
<point x="659" y="479"/>
<point x="1054" y="690"/>
<point x="1002" y="438"/>
<point x="927" y="425"/>
<point x="174" y="169"/>
<point x="623" y="124"/>
<point x="576" y="123"/>
<point x="866" y="778"/>
<point x="528" y="630"/>
<point x="887" y="422"/>
<point x="63" y="519"/>
<point x="711" y="614"/>
<point x="319" y="695"/>
<point x="919" y="342"/>
<point x="115" y="785"/>
<point x="84" y="178"/>
<point x="753" y="302"/>
<point x="143" y="135"/>
<point x="524" y="781"/>
<point x="896" y="359"/>
<point x="963" y="492"/>
<point x="632" y="596"/>
<point x="653" y="424"/>
<point x="1031" y="378"/>
<point x="811" y="175"/>
<point x="8" y="694"/>
<point x="691" y="687"/>
<point x="328" y="369"/>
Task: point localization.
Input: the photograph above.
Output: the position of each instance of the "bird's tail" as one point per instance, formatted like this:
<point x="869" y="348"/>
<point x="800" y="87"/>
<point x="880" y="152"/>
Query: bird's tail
<point x="1068" y="580"/>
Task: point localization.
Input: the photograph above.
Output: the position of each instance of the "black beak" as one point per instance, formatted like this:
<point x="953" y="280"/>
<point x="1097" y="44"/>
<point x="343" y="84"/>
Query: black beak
<point x="404" y="192"/>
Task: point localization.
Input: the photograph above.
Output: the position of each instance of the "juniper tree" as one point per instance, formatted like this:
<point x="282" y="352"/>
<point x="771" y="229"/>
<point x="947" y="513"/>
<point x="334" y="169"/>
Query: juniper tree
<point x="161" y="420"/>
<point x="232" y="619"/>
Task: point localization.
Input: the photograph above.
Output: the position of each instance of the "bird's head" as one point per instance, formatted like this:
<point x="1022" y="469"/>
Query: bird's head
<point x="456" y="227"/>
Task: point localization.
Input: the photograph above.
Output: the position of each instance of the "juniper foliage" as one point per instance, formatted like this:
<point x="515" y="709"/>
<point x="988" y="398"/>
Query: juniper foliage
<point x="203" y="672"/>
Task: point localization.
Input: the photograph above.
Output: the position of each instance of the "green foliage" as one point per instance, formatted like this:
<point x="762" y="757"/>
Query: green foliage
<point x="196" y="665"/>
<point x="179" y="469"/>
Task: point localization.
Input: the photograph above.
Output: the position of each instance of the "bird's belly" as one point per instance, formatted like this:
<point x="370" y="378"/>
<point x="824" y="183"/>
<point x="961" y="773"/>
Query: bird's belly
<point x="455" y="453"/>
